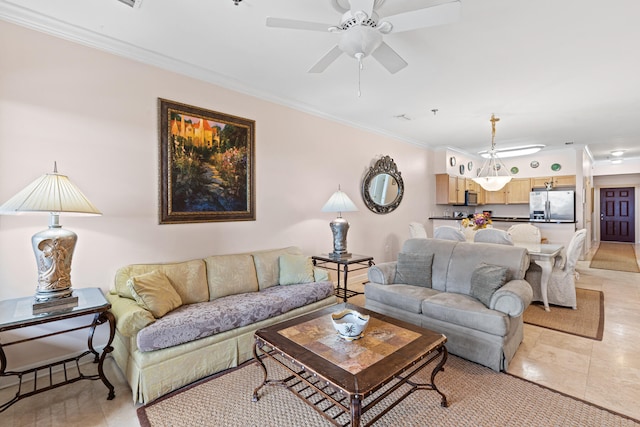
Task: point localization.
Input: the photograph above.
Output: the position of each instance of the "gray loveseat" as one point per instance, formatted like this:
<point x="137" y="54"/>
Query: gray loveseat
<point x="450" y="301"/>
<point x="194" y="318"/>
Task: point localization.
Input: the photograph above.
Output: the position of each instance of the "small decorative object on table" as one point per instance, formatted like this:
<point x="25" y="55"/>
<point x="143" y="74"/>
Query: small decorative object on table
<point x="350" y="324"/>
<point x="478" y="221"/>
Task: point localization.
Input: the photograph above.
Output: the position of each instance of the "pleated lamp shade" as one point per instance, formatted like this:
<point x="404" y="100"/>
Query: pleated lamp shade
<point x="52" y="192"/>
<point x="339" y="202"/>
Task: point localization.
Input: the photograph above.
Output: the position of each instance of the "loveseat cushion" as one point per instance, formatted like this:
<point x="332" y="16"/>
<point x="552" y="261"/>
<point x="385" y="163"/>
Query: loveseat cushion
<point x="466" y="256"/>
<point x="195" y="321"/>
<point x="485" y="280"/>
<point x="441" y="250"/>
<point x="230" y="275"/>
<point x="405" y="297"/>
<point x="188" y="278"/>
<point x="414" y="269"/>
<point x="466" y="311"/>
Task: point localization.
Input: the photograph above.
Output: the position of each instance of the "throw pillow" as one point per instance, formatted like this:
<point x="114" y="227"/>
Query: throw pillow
<point x="153" y="291"/>
<point x="486" y="279"/>
<point x="414" y="269"/>
<point x="295" y="269"/>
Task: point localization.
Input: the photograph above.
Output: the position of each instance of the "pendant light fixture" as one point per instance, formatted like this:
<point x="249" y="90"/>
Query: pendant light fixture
<point x="493" y="175"/>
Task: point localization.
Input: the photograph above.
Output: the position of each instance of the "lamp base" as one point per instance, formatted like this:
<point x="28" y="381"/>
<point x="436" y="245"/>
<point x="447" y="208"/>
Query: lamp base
<point x="339" y="227"/>
<point x="55" y="304"/>
<point x="53" y="249"/>
<point x="336" y="255"/>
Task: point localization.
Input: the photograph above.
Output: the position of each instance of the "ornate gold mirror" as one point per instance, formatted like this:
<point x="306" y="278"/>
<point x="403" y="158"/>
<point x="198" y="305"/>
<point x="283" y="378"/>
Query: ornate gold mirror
<point x="382" y="186"/>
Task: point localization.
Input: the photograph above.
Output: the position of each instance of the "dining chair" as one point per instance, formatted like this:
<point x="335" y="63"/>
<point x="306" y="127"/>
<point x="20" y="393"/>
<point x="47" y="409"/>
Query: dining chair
<point x="492" y="235"/>
<point x="527" y="233"/>
<point x="446" y="232"/>
<point x="561" y="289"/>
<point x="417" y="230"/>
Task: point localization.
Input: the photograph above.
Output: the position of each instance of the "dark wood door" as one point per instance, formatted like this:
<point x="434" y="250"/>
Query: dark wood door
<point x="617" y="216"/>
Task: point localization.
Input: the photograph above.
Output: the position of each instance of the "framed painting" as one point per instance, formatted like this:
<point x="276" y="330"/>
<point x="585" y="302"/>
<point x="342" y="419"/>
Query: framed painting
<point x="207" y="164"/>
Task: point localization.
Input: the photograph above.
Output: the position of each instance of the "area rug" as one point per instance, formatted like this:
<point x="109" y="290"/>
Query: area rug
<point x="477" y="395"/>
<point x="585" y="321"/>
<point x="615" y="256"/>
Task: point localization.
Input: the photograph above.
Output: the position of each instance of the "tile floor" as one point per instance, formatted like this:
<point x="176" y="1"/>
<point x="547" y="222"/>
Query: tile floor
<point x="605" y="372"/>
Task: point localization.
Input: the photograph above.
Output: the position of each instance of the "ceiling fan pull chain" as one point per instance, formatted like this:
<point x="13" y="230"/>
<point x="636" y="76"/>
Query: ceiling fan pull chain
<point x="359" y="58"/>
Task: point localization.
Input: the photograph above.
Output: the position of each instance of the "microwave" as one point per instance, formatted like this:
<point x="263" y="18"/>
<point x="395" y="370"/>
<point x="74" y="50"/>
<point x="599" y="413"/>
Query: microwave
<point x="470" y="198"/>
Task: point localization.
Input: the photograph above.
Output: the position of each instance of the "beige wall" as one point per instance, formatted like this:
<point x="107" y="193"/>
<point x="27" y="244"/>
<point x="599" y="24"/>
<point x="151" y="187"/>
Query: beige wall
<point x="96" y="115"/>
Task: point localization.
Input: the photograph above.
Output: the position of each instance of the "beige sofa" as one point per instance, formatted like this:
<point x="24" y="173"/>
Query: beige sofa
<point x="213" y="307"/>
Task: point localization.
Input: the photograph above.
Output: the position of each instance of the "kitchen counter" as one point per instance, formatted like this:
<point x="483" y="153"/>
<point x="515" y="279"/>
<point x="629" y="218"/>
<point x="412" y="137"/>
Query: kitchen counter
<point x="503" y="219"/>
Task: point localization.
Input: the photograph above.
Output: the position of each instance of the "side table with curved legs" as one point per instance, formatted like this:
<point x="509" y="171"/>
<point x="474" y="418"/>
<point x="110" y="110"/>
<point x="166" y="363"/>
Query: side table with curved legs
<point x="17" y="313"/>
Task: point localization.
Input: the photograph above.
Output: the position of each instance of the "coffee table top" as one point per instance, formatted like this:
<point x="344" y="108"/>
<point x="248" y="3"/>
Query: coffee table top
<point x="388" y="346"/>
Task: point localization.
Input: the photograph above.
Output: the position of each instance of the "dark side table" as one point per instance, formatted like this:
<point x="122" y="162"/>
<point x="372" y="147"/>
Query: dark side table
<point x="343" y="264"/>
<point x="17" y="313"/>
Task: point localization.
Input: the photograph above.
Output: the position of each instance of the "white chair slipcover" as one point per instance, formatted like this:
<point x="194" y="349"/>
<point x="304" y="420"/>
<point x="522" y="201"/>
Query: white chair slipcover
<point x="417" y="230"/>
<point x="492" y="235"/>
<point x="525" y="233"/>
<point x="561" y="289"/>
<point x="446" y="232"/>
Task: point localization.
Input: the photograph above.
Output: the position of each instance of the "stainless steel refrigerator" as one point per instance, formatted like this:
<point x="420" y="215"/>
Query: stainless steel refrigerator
<point x="552" y="206"/>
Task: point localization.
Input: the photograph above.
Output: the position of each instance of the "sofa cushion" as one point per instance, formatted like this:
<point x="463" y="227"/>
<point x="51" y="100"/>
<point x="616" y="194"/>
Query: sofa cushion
<point x="486" y="279"/>
<point x="230" y="275"/>
<point x="188" y="278"/>
<point x="405" y="297"/>
<point x="267" y="267"/>
<point x="295" y="269"/>
<point x="414" y="269"/>
<point x="153" y="291"/>
<point x="465" y="311"/>
<point x="195" y="321"/>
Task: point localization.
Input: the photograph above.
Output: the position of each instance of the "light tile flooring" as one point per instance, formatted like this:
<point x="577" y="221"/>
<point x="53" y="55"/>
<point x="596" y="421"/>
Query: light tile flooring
<point x="605" y="372"/>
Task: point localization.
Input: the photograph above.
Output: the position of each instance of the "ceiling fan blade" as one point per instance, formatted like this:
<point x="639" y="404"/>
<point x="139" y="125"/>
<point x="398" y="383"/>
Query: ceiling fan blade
<point x="389" y="58"/>
<point x="364" y="5"/>
<point x="294" y="24"/>
<point x="326" y="60"/>
<point x="427" y="17"/>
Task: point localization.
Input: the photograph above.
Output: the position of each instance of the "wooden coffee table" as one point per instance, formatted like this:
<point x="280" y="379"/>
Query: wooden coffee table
<point x="343" y="379"/>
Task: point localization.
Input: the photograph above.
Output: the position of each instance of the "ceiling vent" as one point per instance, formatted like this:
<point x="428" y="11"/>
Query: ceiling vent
<point x="132" y="3"/>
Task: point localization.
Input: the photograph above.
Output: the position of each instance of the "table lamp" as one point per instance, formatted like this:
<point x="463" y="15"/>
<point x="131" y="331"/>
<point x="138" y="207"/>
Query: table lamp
<point x="52" y="193"/>
<point x="339" y="202"/>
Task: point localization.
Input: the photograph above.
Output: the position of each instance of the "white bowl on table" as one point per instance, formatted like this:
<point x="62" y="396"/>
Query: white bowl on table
<point x="350" y="324"/>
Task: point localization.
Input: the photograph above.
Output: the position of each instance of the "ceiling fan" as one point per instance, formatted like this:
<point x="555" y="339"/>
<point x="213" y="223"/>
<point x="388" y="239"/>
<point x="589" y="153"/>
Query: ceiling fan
<point x="362" y="31"/>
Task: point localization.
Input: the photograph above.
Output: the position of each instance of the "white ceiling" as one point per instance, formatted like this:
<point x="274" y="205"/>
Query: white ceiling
<point x="554" y="71"/>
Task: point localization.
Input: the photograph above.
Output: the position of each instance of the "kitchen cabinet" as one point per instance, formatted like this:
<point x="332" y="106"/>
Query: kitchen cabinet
<point x="556" y="181"/>
<point x="515" y="192"/>
<point x="518" y="191"/>
<point x="449" y="189"/>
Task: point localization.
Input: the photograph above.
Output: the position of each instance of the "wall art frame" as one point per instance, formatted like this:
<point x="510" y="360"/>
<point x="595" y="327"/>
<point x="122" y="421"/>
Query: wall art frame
<point x="207" y="165"/>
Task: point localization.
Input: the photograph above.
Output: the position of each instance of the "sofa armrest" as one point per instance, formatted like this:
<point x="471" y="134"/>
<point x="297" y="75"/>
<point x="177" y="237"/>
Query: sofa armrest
<point x="383" y="273"/>
<point x="513" y="298"/>
<point x="130" y="317"/>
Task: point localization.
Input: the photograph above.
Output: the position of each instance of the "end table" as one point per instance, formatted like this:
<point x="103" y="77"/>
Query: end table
<point x="17" y="313"/>
<point x="342" y="266"/>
